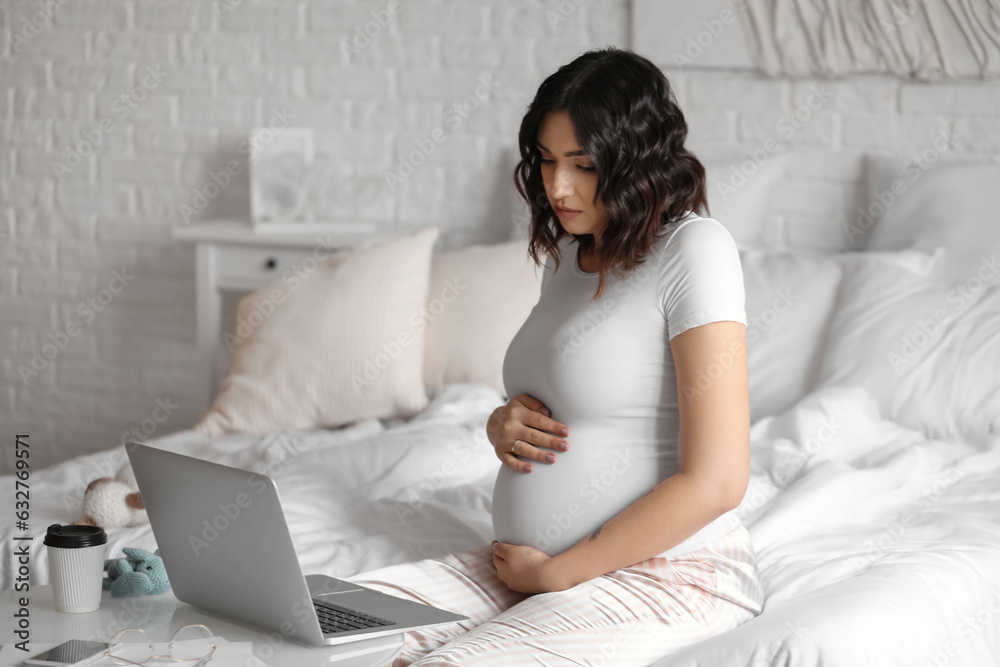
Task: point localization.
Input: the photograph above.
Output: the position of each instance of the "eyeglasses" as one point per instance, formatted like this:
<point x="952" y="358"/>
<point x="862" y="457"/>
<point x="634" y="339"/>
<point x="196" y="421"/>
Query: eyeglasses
<point x="189" y="642"/>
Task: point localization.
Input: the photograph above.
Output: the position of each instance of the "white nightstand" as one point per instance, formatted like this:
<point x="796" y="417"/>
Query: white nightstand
<point x="231" y="256"/>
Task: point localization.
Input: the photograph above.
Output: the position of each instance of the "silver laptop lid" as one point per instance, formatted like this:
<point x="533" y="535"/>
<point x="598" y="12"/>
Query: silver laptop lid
<point x="224" y="541"/>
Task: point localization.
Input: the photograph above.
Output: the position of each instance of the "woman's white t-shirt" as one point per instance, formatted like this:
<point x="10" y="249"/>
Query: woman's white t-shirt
<point x="604" y="369"/>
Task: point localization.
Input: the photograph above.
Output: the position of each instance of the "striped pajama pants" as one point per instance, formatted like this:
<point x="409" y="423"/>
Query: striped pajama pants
<point x="632" y="616"/>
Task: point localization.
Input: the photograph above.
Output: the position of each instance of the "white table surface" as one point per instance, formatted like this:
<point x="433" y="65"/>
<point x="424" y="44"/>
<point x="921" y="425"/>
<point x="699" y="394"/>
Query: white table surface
<point x="160" y="615"/>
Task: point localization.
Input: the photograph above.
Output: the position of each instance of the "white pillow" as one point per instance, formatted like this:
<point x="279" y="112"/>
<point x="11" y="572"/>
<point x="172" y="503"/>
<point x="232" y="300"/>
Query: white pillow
<point x="927" y="350"/>
<point x="478" y="298"/>
<point x="740" y="193"/>
<point x="951" y="204"/>
<point x="789" y="303"/>
<point x="337" y="346"/>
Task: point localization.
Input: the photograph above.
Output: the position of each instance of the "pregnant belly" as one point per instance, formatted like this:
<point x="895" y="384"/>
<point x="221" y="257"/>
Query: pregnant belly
<point x="558" y="504"/>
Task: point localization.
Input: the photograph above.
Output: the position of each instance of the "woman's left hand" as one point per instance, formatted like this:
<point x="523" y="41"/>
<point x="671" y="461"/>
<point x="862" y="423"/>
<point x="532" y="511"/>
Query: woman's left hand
<point x="524" y="569"/>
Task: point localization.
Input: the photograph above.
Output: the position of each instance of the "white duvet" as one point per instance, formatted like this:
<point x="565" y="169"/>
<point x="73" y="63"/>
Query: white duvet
<point x="876" y="545"/>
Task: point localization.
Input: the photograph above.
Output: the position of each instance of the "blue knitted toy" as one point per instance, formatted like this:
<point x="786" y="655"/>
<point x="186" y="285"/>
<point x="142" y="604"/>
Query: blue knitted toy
<point x="141" y="573"/>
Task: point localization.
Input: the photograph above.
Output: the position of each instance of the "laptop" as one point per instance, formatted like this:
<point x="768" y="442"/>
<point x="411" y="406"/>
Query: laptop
<point x="226" y="547"/>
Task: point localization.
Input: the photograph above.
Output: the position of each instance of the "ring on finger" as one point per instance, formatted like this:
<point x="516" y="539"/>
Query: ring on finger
<point x="514" y="446"/>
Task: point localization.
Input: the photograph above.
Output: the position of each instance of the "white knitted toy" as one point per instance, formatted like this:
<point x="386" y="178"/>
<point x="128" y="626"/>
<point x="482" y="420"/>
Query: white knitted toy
<point x="113" y="503"/>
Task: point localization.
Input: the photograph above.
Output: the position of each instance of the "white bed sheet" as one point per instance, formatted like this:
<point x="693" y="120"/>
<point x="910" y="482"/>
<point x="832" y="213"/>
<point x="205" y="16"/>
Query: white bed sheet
<point x="876" y="545"/>
<point x="848" y="582"/>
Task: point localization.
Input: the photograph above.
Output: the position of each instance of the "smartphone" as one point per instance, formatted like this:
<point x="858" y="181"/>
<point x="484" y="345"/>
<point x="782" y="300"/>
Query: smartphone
<point x="65" y="654"/>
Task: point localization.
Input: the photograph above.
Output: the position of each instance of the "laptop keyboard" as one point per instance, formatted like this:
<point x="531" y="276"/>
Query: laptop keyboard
<point x="336" y="619"/>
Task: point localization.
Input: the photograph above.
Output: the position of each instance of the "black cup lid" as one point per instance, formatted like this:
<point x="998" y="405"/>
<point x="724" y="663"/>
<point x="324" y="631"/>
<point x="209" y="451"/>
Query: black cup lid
<point x="75" y="537"/>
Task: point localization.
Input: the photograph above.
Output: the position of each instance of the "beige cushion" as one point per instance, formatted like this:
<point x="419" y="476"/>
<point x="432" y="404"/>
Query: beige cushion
<point x="341" y="345"/>
<point x="478" y="298"/>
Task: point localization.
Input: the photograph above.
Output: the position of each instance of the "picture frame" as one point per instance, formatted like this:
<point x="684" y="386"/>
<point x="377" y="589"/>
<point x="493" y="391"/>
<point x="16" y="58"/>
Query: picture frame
<point x="280" y="165"/>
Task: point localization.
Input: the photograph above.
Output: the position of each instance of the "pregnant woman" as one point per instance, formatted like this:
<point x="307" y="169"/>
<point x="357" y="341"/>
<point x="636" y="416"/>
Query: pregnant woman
<point x="626" y="445"/>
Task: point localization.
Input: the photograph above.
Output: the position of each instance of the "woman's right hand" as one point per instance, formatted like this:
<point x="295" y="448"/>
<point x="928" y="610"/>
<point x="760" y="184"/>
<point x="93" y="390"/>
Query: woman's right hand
<point x="525" y="419"/>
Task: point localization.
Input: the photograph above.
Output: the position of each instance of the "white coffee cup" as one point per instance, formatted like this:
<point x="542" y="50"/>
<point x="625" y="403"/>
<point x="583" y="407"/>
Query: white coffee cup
<point x="76" y="566"/>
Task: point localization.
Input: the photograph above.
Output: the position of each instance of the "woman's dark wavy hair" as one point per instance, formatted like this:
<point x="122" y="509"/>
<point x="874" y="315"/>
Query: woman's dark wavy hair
<point x="627" y="121"/>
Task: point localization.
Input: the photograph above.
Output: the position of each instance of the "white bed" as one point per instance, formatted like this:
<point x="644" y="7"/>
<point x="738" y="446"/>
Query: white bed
<point x="375" y="494"/>
<point x="878" y="540"/>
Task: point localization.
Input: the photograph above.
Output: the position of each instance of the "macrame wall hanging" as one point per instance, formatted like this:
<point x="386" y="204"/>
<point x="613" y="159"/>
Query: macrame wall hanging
<point x="916" y="39"/>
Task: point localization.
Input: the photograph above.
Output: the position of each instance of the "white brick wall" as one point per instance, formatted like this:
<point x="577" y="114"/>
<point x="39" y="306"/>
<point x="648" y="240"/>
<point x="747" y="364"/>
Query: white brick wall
<point x="60" y="239"/>
<point x="222" y="74"/>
